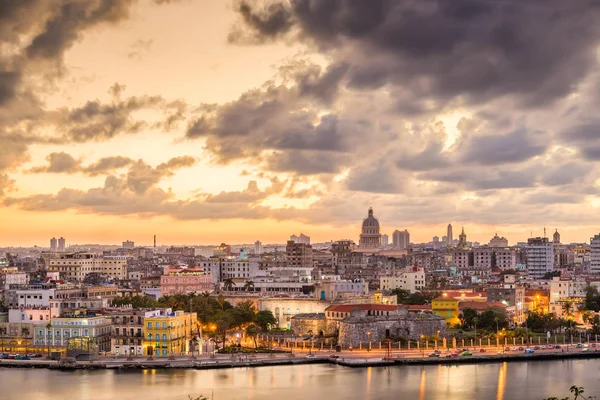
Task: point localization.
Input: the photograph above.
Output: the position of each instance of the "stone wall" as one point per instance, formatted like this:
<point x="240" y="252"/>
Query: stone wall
<point x="306" y="324"/>
<point x="354" y="330"/>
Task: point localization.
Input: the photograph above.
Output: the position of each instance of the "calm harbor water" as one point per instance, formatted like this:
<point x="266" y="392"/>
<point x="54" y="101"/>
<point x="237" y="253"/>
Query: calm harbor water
<point x="507" y="381"/>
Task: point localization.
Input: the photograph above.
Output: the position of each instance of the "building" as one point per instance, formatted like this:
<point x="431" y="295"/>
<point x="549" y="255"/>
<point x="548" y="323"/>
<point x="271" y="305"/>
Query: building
<point x="258" y="247"/>
<point x="127" y="330"/>
<point x="498" y="241"/>
<point x="76" y="266"/>
<point x="302" y="239"/>
<point x="511" y="296"/>
<point x="332" y="289"/>
<point x="53" y="245"/>
<point x="540" y="257"/>
<point x="72" y="332"/>
<point x="61" y="245"/>
<point x="447" y="308"/>
<point x="370" y="238"/>
<point x="556" y="237"/>
<point x="285" y="307"/>
<point x="595" y="255"/>
<point x="449" y="237"/>
<point x="15" y="279"/>
<point x="401" y="239"/>
<point x="128" y="244"/>
<point x="505" y="258"/>
<point x="184" y="281"/>
<point x="385" y="239"/>
<point x="411" y="279"/>
<point x="462" y="240"/>
<point x="222" y="251"/>
<point x="169" y="333"/>
<point x="299" y="255"/>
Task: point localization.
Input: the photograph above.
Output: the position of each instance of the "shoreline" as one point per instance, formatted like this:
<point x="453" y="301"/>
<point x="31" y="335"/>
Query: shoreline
<point x="343" y="362"/>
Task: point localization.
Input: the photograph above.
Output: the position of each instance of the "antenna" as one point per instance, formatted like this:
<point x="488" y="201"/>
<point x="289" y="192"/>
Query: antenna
<point x="154" y="241"/>
<point x="544" y="232"/>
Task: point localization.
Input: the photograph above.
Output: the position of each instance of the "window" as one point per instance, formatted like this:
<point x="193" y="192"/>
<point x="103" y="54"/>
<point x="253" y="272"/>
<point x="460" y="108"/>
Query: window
<point x="164" y="337"/>
<point x="164" y="325"/>
<point x="149" y="325"/>
<point x="157" y="325"/>
<point x="157" y="337"/>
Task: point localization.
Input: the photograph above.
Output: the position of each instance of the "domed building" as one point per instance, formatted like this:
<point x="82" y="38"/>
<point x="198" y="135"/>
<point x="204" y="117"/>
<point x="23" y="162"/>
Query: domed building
<point x="370" y="237"/>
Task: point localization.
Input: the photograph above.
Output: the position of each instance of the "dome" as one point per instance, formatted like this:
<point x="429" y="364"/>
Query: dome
<point x="370" y="222"/>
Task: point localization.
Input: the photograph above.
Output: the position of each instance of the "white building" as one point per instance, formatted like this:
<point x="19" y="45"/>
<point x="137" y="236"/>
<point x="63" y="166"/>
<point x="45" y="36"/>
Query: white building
<point x="30" y="315"/>
<point x="595" y="255"/>
<point x="76" y="266"/>
<point x="27" y="298"/>
<point x="385" y="240"/>
<point x="562" y="289"/>
<point x="413" y="280"/>
<point x="540" y="257"/>
<point x="17" y="278"/>
<point x="336" y="289"/>
<point x="401" y="239"/>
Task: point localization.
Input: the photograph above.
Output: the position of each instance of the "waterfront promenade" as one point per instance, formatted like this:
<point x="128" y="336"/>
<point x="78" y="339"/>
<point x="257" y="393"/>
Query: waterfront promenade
<point x="350" y="358"/>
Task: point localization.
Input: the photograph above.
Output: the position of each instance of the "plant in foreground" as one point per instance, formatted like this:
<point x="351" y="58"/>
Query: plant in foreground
<point x="577" y="392"/>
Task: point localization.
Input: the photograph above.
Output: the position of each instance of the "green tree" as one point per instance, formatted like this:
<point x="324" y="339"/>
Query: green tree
<point x="592" y="299"/>
<point x="493" y="318"/>
<point x="567" y="309"/>
<point x="249" y="285"/>
<point x="402" y="295"/>
<point x="136" y="302"/>
<point x="228" y="284"/>
<point x="3" y="307"/>
<point x="252" y="331"/>
<point x="468" y="315"/>
<point x="264" y="320"/>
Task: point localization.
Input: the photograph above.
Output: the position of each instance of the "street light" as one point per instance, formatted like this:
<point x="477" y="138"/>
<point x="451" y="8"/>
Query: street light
<point x="369" y="337"/>
<point x="475" y="322"/>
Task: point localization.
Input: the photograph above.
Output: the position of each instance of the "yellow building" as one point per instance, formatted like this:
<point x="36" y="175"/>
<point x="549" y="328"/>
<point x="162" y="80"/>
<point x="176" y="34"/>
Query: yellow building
<point x="169" y="332"/>
<point x="447" y="308"/>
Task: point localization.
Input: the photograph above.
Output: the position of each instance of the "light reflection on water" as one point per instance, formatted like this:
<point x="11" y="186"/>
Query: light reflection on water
<point x="506" y="381"/>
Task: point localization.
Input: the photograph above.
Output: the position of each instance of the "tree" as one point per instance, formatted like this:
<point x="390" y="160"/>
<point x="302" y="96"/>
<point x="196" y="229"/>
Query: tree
<point x="567" y="309"/>
<point x="493" y="318"/>
<point x="592" y="299"/>
<point x="3" y="307"/>
<point x="249" y="285"/>
<point x="468" y="315"/>
<point x="264" y="320"/>
<point x="252" y="331"/>
<point x="228" y="284"/>
<point x="402" y="295"/>
<point x="136" y="302"/>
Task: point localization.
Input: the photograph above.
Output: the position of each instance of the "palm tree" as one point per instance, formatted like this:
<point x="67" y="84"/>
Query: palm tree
<point x="567" y="309"/>
<point x="228" y="284"/>
<point x="248" y="285"/>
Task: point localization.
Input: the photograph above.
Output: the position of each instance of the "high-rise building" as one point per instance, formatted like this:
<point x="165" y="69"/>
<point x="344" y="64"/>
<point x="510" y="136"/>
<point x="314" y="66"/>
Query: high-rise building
<point x="595" y="255"/>
<point x="540" y="257"/>
<point x="300" y="239"/>
<point x="370" y="236"/>
<point x="258" y="247"/>
<point x="401" y="239"/>
<point x="53" y="245"/>
<point x="299" y="255"/>
<point x="385" y="240"/>
<point x="61" y="245"/>
<point x="450" y="238"/>
<point x="128" y="244"/>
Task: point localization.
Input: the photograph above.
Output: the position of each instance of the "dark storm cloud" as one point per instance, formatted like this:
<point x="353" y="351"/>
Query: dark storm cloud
<point x="517" y="146"/>
<point x="535" y="51"/>
<point x="585" y="137"/>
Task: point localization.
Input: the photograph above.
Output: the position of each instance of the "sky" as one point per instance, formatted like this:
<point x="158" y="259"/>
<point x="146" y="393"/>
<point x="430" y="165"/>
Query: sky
<point x="232" y="121"/>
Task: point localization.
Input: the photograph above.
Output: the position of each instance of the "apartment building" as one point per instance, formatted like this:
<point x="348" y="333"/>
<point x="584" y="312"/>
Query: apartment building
<point x="76" y="266"/>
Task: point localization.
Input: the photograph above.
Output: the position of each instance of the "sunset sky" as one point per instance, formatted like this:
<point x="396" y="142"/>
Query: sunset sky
<point x="207" y="121"/>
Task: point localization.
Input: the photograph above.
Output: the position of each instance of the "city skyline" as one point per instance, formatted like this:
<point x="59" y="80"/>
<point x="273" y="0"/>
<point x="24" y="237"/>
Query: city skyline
<point x="251" y="126"/>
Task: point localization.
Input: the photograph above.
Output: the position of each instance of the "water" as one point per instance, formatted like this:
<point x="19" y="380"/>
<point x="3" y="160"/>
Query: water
<point x="507" y="381"/>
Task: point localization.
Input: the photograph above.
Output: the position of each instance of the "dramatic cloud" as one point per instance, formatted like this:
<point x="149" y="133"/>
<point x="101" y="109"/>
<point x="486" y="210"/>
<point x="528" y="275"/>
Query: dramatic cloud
<point x="58" y="163"/>
<point x="441" y="49"/>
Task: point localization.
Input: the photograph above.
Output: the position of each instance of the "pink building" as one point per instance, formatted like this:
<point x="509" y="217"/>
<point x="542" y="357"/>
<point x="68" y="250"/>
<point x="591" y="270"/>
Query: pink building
<point x="185" y="280"/>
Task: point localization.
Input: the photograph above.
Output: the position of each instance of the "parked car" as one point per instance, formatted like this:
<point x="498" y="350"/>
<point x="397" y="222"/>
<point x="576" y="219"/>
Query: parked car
<point x="536" y="347"/>
<point x="579" y="345"/>
<point x="586" y="349"/>
<point x="557" y="346"/>
<point x="520" y="348"/>
<point x="25" y="358"/>
<point x="466" y="353"/>
<point x="437" y="351"/>
<point x="433" y="355"/>
<point x="452" y="355"/>
<point x="514" y="348"/>
<point x="529" y="351"/>
<point x="310" y="356"/>
<point x="13" y="356"/>
<point x="34" y="355"/>
<point x="4" y="356"/>
<point x="508" y="348"/>
<point x="482" y="350"/>
<point x="334" y="356"/>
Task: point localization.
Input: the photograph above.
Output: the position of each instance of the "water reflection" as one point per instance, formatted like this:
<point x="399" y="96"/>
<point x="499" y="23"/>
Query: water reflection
<point x="501" y="381"/>
<point x="422" y="385"/>
<point x="505" y="381"/>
